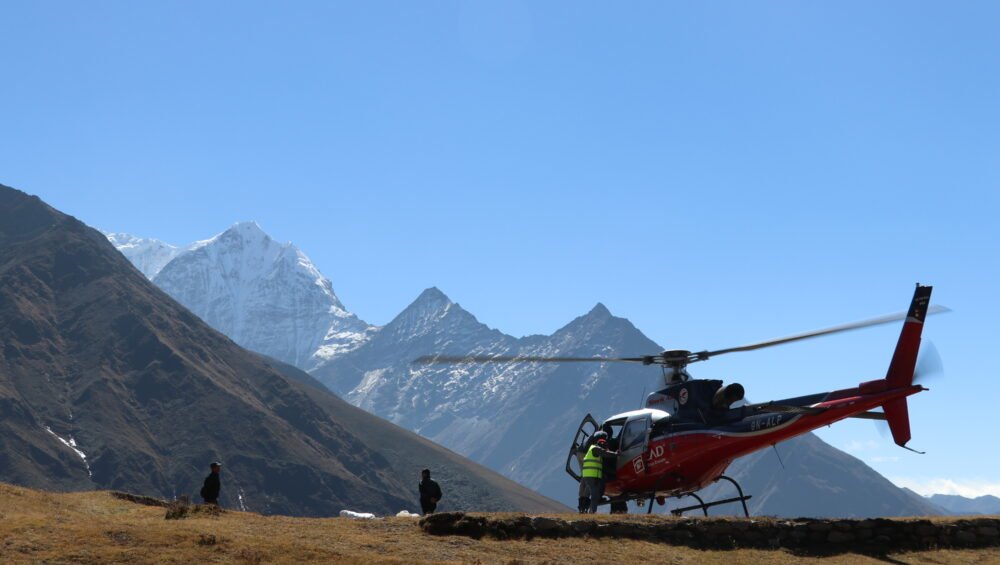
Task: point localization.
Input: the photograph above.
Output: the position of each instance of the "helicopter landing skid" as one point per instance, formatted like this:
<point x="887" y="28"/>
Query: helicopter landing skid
<point x="742" y="498"/>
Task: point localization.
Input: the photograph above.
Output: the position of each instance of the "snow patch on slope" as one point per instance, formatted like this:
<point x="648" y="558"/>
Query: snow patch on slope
<point x="71" y="443"/>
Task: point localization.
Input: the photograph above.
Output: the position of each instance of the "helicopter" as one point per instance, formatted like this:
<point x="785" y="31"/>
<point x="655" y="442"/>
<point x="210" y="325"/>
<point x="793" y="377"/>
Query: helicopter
<point x="691" y="430"/>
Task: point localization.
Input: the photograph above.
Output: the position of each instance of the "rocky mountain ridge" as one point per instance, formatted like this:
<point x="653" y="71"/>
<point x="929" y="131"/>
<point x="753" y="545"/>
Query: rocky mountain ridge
<point x="805" y="476"/>
<point x="956" y="504"/>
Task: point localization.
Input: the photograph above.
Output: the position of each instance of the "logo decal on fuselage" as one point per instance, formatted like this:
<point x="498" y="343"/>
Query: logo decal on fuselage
<point x="638" y="465"/>
<point x="655" y="456"/>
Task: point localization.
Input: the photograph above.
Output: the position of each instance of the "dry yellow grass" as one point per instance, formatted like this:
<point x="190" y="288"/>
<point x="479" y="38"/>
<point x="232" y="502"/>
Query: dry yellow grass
<point x="94" y="527"/>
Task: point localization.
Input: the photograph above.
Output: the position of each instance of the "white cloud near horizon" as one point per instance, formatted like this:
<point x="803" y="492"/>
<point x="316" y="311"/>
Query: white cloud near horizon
<point x="855" y="446"/>
<point x="969" y="488"/>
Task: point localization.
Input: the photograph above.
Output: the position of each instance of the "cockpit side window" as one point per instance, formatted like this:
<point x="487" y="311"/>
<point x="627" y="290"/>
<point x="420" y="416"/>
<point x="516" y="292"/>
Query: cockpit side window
<point x="634" y="433"/>
<point x="613" y="429"/>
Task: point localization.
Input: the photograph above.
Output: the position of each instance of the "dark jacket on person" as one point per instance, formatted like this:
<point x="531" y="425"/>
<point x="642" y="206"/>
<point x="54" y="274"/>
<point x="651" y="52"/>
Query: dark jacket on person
<point x="429" y="489"/>
<point x="210" y="490"/>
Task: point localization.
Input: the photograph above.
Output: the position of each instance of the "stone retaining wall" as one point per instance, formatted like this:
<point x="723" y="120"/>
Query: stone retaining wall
<point x="139" y="499"/>
<point x="873" y="536"/>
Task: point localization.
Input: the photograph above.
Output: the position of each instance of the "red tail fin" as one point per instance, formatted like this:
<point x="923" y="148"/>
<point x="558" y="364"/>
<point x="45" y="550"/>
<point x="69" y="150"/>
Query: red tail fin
<point x="898" y="417"/>
<point x="904" y="361"/>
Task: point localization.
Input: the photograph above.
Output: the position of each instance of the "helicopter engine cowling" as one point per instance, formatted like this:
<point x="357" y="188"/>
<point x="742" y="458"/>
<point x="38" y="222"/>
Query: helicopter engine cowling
<point x="725" y="396"/>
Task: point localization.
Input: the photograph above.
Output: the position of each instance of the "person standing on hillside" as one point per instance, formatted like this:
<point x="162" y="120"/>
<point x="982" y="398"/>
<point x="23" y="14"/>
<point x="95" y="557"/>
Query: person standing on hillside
<point x="430" y="492"/>
<point x="213" y="484"/>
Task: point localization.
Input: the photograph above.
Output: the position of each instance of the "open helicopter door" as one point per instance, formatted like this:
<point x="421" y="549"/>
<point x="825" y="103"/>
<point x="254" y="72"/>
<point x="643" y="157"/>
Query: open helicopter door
<point x="581" y="442"/>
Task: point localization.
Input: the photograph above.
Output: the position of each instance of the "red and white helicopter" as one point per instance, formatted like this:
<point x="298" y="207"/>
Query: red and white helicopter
<point x="689" y="432"/>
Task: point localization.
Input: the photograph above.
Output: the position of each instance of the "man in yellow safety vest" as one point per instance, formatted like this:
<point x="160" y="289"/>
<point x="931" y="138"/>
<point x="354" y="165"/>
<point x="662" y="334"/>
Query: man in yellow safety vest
<point x="593" y="469"/>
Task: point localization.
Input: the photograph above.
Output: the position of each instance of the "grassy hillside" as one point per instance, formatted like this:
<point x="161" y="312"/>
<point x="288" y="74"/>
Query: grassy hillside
<point x="95" y="527"/>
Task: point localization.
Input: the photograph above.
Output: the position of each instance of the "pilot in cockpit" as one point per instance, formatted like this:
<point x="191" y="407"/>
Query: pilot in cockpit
<point x="614" y="435"/>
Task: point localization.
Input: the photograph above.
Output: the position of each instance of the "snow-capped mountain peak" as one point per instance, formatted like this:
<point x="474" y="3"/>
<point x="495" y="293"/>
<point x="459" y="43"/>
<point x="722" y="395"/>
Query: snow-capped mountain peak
<point x="266" y="295"/>
<point x="598" y="321"/>
<point x="432" y="295"/>
<point x="432" y="313"/>
<point x="258" y="246"/>
<point x="431" y="303"/>
<point x="248" y="232"/>
<point x="147" y="254"/>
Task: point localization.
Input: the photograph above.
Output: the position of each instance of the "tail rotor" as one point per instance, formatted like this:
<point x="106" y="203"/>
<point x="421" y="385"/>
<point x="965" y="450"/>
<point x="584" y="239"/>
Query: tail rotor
<point x="929" y="365"/>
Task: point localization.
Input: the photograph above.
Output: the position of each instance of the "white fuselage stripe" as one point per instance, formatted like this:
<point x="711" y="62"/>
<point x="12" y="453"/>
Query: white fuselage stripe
<point x="711" y="432"/>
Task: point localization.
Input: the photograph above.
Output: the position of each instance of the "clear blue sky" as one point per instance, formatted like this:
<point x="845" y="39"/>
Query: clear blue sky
<point x="716" y="172"/>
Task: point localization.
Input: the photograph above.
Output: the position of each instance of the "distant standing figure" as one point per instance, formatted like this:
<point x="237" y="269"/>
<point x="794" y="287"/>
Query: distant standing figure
<point x="210" y="490"/>
<point x="430" y="492"/>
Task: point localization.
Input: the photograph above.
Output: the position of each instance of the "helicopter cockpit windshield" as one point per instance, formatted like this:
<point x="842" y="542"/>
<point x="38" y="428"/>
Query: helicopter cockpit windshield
<point x="636" y="428"/>
<point x="628" y="430"/>
<point x="635" y="432"/>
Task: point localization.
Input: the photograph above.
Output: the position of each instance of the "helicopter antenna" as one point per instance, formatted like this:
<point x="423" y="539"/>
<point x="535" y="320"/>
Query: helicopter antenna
<point x="775" y="446"/>
<point x="642" y="399"/>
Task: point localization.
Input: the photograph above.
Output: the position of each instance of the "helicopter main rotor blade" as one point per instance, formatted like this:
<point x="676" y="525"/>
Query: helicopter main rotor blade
<point x="434" y="359"/>
<point x="703" y="355"/>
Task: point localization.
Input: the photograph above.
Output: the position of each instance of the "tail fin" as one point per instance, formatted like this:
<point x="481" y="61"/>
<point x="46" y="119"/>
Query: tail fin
<point x="898" y="417"/>
<point x="904" y="362"/>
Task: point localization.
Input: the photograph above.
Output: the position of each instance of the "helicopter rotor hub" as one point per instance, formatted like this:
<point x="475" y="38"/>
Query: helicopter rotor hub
<point x="676" y="358"/>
